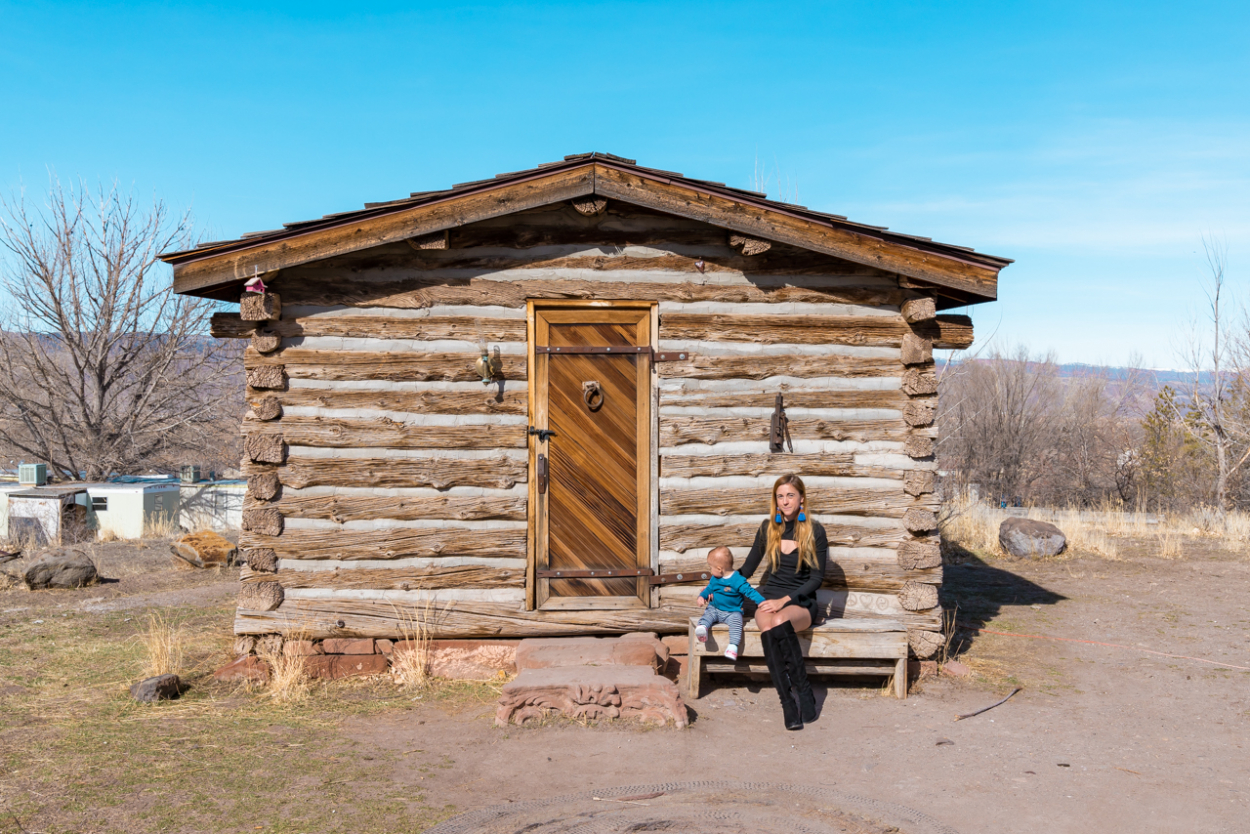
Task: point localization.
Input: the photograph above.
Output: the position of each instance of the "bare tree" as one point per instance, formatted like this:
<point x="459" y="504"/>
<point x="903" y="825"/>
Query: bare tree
<point x="997" y="415"/>
<point x="102" y="367"/>
<point x="1214" y="420"/>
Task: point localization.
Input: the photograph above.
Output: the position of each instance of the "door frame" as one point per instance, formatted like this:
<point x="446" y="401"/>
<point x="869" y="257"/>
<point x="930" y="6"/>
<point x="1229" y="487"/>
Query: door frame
<point x="648" y="469"/>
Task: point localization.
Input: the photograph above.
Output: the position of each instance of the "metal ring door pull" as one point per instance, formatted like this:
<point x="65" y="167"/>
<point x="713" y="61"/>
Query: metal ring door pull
<point x="592" y="394"/>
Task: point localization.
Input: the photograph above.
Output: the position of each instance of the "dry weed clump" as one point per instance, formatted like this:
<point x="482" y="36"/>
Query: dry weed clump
<point x="165" y="644"/>
<point x="161" y="527"/>
<point x="288" y="679"/>
<point x="410" y="662"/>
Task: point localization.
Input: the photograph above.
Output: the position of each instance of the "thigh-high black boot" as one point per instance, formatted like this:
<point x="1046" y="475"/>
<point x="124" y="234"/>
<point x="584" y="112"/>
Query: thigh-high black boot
<point x="773" y="656"/>
<point x="786" y="642"/>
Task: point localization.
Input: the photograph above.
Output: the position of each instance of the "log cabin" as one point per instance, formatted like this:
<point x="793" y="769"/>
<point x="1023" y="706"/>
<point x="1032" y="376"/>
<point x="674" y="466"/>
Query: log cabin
<point x="529" y="405"/>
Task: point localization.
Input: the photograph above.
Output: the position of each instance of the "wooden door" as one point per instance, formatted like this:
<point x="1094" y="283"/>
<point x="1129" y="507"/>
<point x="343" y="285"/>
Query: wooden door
<point x="591" y="476"/>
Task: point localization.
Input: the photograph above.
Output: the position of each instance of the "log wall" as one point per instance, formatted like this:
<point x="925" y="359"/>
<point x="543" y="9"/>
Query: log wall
<point x="387" y="483"/>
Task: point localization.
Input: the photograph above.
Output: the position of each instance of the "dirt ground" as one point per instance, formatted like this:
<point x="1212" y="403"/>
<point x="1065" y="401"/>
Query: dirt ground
<point x="1101" y="737"/>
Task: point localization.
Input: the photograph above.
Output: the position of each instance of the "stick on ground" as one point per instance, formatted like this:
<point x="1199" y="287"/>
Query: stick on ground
<point x="990" y="707"/>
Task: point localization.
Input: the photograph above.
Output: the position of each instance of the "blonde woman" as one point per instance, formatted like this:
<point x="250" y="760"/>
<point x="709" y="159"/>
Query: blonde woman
<point x="795" y="552"/>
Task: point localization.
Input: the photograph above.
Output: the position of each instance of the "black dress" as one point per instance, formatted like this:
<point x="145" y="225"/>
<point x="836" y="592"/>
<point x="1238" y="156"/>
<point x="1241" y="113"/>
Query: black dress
<point x="789" y="579"/>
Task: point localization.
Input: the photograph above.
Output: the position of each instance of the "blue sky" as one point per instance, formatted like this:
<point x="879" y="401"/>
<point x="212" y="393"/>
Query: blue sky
<point x="1095" y="143"/>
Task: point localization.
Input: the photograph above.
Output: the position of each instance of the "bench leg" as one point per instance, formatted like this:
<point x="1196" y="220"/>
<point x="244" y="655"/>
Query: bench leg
<point x="900" y="678"/>
<point x="694" y="668"/>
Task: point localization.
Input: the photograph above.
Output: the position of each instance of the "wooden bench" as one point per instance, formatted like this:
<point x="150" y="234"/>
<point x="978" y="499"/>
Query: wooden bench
<point x="835" y="647"/>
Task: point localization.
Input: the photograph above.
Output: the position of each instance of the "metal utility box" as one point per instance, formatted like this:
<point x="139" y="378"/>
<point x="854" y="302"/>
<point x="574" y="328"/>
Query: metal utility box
<point x="49" y="515"/>
<point x="32" y="474"/>
<point x="129" y="510"/>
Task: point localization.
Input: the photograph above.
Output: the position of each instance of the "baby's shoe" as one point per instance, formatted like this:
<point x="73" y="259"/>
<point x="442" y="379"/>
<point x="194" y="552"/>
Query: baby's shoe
<point x="731" y="652"/>
<point x="700" y="633"/>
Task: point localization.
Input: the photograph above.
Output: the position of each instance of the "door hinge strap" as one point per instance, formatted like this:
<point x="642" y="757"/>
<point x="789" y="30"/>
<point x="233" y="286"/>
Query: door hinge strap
<point x="670" y="578"/>
<point x="592" y="573"/>
<point x="615" y="350"/>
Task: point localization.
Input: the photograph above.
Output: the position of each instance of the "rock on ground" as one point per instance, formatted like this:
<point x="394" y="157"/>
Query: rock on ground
<point x="159" y="688"/>
<point x="61" y="568"/>
<point x="1028" y="538"/>
<point x="205" y="549"/>
<point x="248" y="668"/>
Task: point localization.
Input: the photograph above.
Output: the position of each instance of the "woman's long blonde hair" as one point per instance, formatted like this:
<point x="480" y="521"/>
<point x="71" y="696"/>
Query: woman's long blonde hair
<point x="803" y="535"/>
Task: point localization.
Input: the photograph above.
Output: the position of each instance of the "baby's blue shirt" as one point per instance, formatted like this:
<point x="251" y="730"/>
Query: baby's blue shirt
<point x="726" y="593"/>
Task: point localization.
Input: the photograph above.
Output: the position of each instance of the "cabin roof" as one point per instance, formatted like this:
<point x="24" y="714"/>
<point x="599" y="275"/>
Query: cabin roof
<point x="957" y="272"/>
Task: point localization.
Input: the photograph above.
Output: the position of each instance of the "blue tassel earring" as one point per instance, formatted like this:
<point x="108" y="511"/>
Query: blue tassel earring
<point x="777" y="518"/>
<point x="802" y="515"/>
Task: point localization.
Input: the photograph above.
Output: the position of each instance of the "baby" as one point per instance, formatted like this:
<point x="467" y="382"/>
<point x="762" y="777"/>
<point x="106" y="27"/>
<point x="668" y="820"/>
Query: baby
<point x="725" y="591"/>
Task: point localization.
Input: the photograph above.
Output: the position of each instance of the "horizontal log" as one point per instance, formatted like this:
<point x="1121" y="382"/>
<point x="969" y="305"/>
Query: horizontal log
<point x="342" y="508"/>
<point x="884" y="331"/>
<point x="489" y="400"/>
<point x="919" y="382"/>
<point x="316" y="619"/>
<point x="260" y="306"/>
<point x="841" y="574"/>
<point x="762" y="367"/>
<point x="420" y="294"/>
<point x="919" y="482"/>
<point x="329" y="432"/>
<point x="434" y="578"/>
<point x="839" y="604"/>
<point x="919" y="555"/>
<point x="681" y="537"/>
<point x="675" y="431"/>
<point x="918" y="596"/>
<point x="266" y="376"/>
<point x="266" y="448"/>
<point x="499" y="472"/>
<point x="925" y="643"/>
<point x="793" y="399"/>
<point x="303" y="363"/>
<point x="869" y="502"/>
<point x="916" y="350"/>
<point x="266" y="520"/>
<point x="918" y="446"/>
<point x="947" y="332"/>
<point x="919" y="309"/>
<point x="396" y="543"/>
<point x="920" y="412"/>
<point x="266" y="408"/>
<point x="428" y="328"/>
<point x="835" y="465"/>
<point x="920" y="520"/>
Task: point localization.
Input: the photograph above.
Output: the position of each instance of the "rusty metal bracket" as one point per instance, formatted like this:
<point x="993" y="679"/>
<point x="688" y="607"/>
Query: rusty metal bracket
<point x="593" y="573"/>
<point x="670" y="578"/>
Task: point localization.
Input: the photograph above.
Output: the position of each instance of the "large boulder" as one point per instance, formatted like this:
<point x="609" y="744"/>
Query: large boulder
<point x="159" y="688"/>
<point x="1028" y="538"/>
<point x="204" y="549"/>
<point x="61" y="568"/>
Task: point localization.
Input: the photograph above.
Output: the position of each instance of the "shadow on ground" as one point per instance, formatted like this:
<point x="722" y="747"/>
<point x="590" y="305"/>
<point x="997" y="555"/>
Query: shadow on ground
<point x="977" y="592"/>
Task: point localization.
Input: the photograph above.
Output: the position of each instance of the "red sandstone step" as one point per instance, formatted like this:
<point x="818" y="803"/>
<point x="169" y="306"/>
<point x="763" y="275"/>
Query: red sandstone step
<point x="557" y="652"/>
<point x="591" y="692"/>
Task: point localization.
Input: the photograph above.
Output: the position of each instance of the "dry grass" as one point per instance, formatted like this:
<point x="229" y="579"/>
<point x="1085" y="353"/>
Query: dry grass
<point x="164" y="645"/>
<point x="410" y="665"/>
<point x="288" y="679"/>
<point x="974" y="526"/>
<point x="164" y="526"/>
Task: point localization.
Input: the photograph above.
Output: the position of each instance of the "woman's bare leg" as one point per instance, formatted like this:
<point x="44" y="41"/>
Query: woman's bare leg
<point x="799" y="617"/>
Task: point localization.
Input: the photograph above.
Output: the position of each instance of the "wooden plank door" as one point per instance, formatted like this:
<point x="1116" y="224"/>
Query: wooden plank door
<point x="591" y="501"/>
